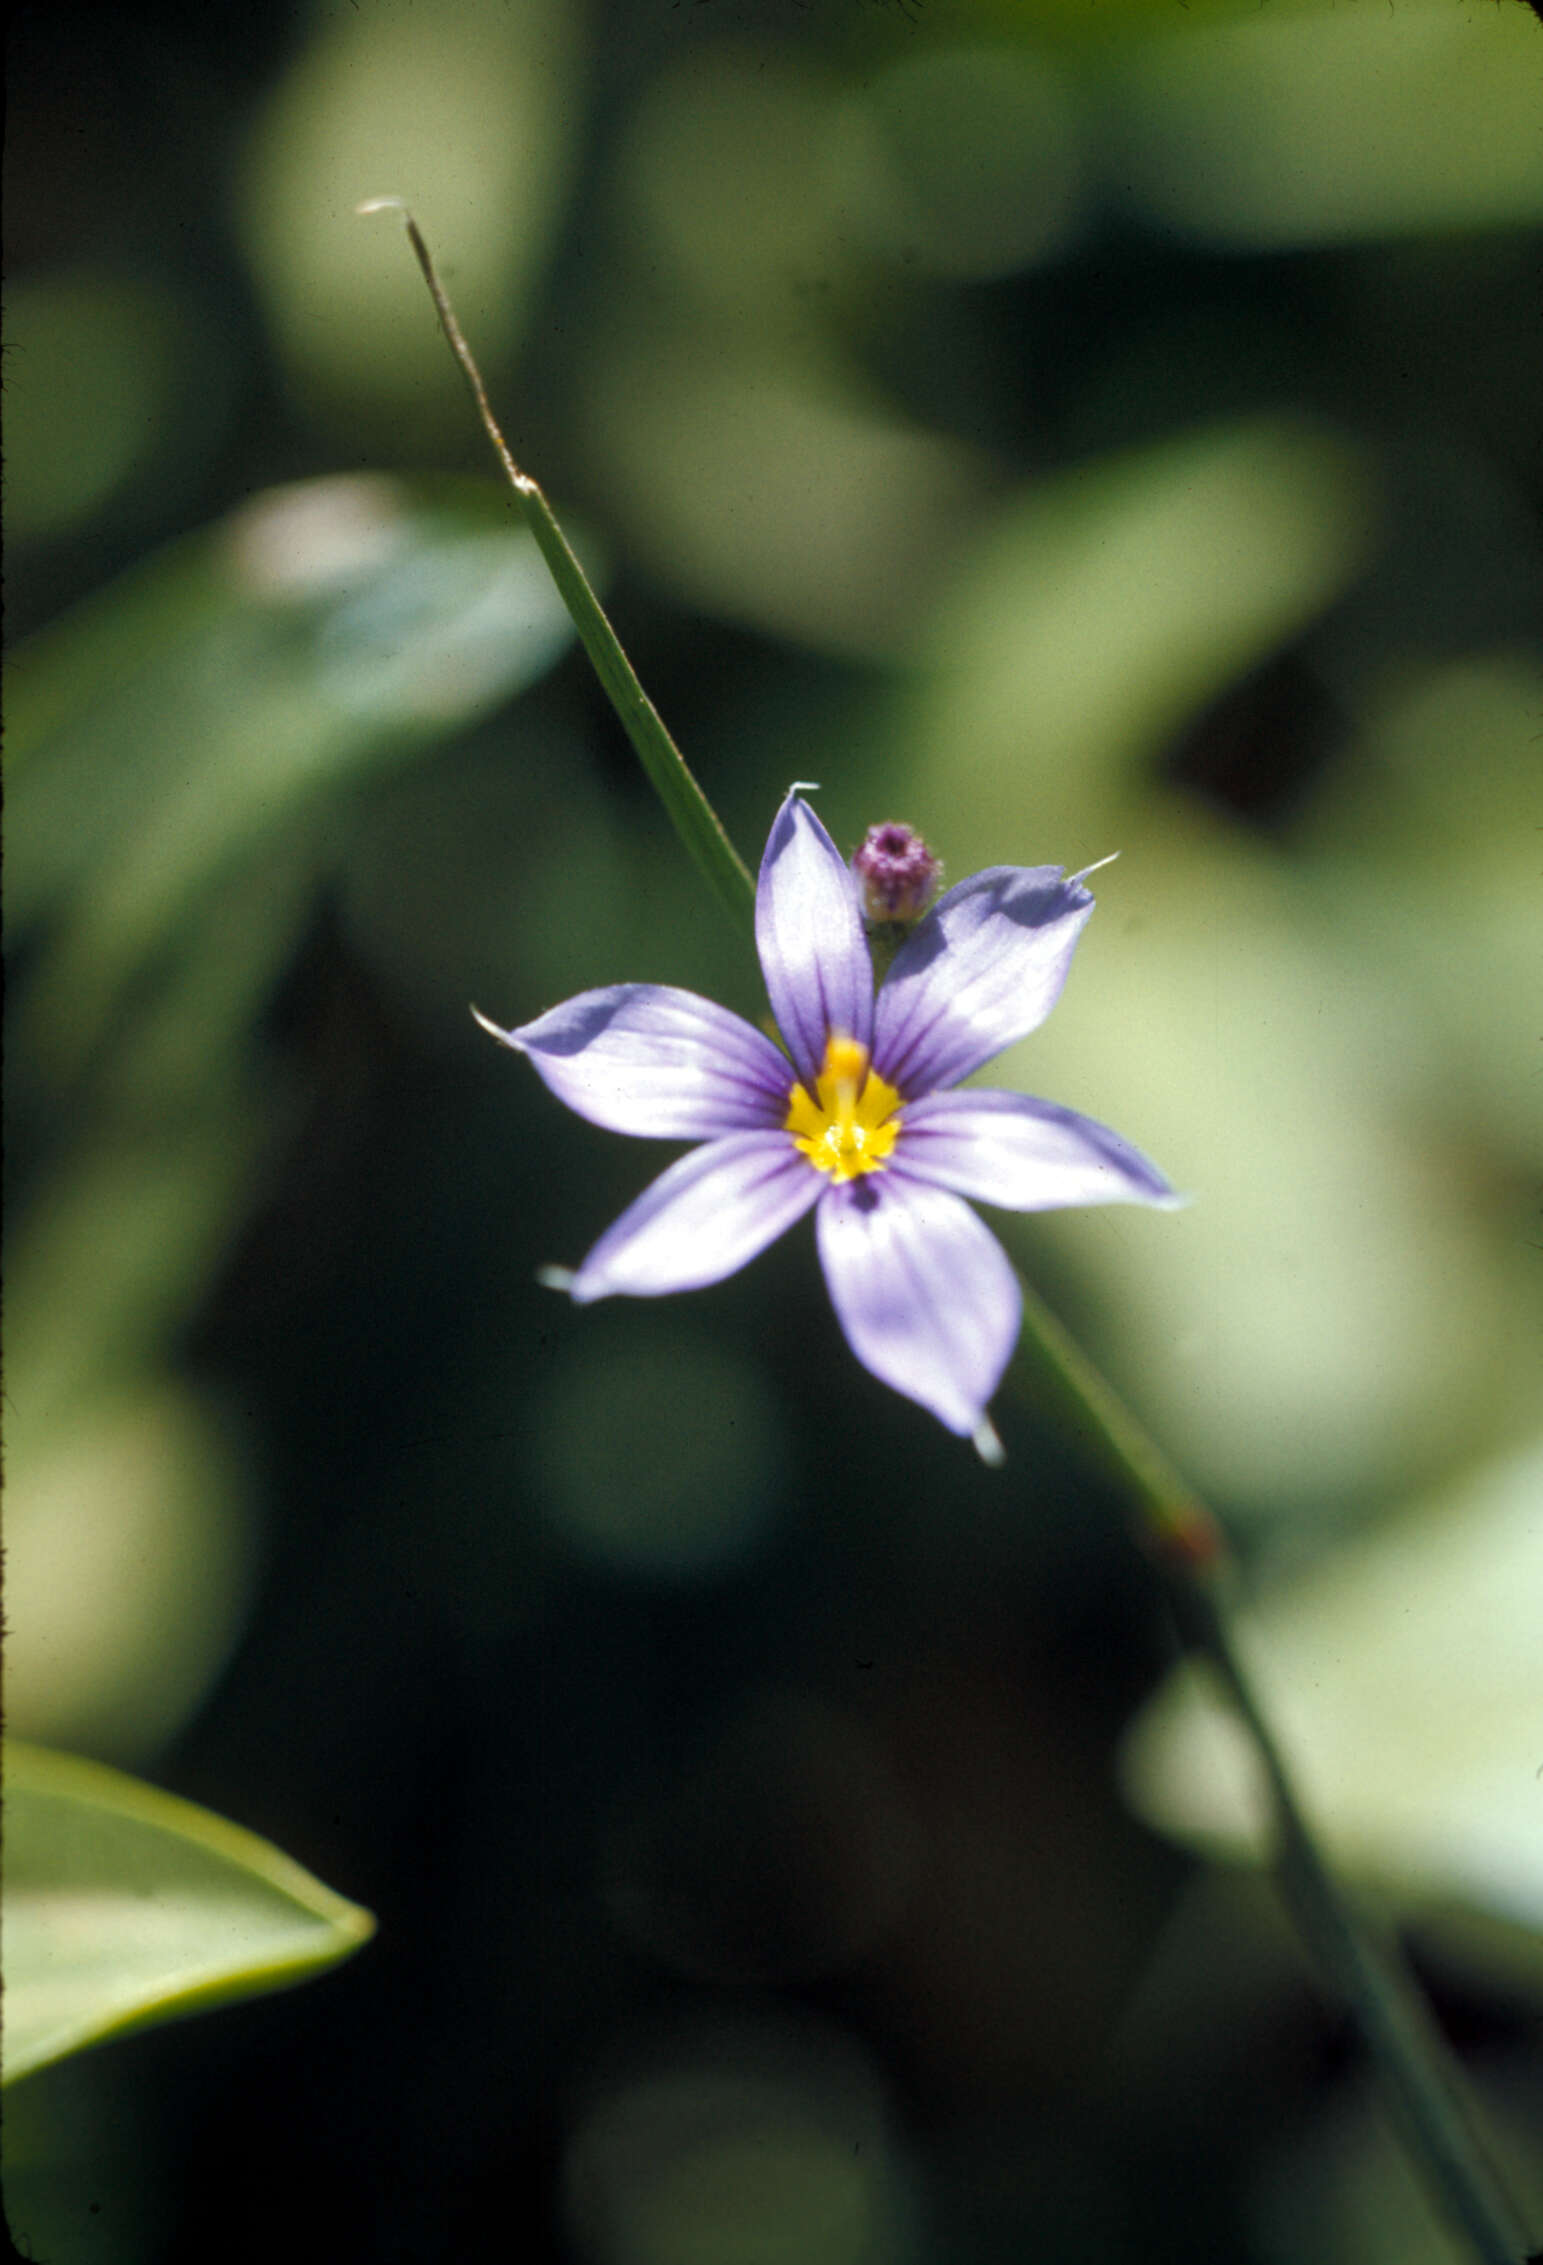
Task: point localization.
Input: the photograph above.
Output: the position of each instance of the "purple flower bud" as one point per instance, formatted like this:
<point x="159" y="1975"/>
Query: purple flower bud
<point x="898" y="873"/>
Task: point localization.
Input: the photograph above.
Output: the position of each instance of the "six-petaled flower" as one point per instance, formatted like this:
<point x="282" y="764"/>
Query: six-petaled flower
<point x="864" y="1120"/>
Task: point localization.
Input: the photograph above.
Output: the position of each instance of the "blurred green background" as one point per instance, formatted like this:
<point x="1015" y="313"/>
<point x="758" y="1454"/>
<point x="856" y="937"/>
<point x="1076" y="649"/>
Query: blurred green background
<point x="1070" y="430"/>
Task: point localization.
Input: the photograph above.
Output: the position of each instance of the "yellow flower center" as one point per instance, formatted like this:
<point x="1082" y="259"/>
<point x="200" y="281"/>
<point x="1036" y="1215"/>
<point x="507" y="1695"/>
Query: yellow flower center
<point x="850" y="1124"/>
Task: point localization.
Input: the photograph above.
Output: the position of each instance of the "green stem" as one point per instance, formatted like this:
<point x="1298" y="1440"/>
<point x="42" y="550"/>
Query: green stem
<point x="1419" y="2079"/>
<point x="1182" y="1536"/>
<point x="1191" y="1555"/>
<point x="687" y="807"/>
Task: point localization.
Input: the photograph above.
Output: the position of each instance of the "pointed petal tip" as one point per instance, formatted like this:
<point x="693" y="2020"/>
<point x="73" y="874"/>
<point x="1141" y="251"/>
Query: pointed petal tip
<point x="556" y="1278"/>
<point x="1097" y="867"/>
<point x="987" y="1445"/>
<point x="504" y="1037"/>
<point x="924" y="1294"/>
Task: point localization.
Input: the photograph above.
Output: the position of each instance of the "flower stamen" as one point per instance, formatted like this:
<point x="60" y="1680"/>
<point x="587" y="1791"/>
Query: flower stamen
<point x="850" y="1123"/>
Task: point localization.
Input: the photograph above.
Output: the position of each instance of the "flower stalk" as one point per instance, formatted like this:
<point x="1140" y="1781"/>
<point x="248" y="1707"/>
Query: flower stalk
<point x="1182" y="1538"/>
<point x="1189" y="1551"/>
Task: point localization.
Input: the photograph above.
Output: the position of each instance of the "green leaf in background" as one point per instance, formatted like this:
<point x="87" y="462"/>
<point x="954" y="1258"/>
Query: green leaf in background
<point x="1406" y="1677"/>
<point x="124" y="1906"/>
<point x="1314" y="125"/>
<point x="1105" y="608"/>
<point x="186" y="716"/>
<point x="189" y="754"/>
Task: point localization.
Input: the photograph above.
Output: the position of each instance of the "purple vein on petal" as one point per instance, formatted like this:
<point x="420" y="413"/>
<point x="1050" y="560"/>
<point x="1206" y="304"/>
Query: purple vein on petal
<point x="809" y="933"/>
<point x="657" y="1062"/>
<point x="924" y="1293"/>
<point x="981" y="971"/>
<point x="1024" y="1154"/>
<point x="704" y="1218"/>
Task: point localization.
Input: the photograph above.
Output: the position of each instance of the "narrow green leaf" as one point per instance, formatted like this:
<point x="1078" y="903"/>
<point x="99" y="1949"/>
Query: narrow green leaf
<point x="689" y="811"/>
<point x="124" y="1906"/>
<point x="701" y="830"/>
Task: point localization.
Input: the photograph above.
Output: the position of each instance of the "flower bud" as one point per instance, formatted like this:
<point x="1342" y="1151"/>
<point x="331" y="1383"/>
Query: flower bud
<point x="898" y="874"/>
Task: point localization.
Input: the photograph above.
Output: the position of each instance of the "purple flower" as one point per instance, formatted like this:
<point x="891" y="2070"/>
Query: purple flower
<point x="858" y="1122"/>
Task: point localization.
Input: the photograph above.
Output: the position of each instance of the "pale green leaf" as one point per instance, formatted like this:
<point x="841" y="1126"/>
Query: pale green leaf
<point x="188" y="716"/>
<point x="1405" y="1676"/>
<point x="124" y="1906"/>
<point x="1104" y="609"/>
<point x="1328" y="125"/>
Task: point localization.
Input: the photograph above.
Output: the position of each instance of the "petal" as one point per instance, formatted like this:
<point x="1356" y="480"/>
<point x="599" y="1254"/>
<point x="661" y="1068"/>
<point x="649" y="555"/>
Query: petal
<point x="923" y="1292"/>
<point x="809" y="934"/>
<point x="645" y="1058"/>
<point x="1024" y="1154"/>
<point x="982" y="970"/>
<point x="704" y="1218"/>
